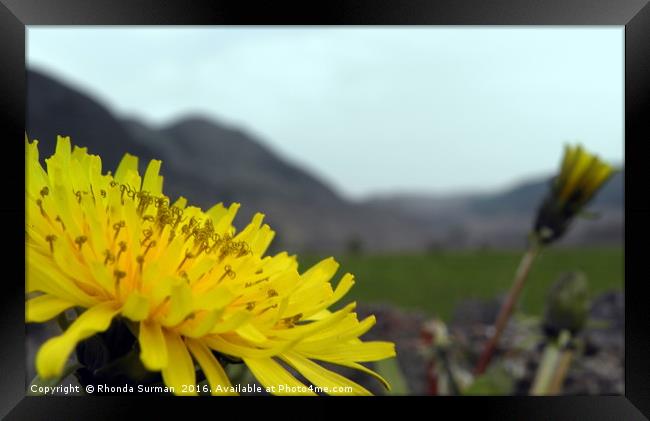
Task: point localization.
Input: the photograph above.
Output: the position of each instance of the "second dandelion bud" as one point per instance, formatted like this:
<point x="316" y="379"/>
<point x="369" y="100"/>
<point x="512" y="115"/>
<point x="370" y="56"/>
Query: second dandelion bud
<point x="581" y="176"/>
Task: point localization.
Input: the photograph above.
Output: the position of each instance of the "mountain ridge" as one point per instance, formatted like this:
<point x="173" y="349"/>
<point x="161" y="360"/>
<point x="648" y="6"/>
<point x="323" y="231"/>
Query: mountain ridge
<point x="209" y="162"/>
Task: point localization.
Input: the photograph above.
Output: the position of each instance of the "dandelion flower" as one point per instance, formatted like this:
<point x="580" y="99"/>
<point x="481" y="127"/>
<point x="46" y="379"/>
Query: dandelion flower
<point x="581" y="176"/>
<point x="191" y="287"/>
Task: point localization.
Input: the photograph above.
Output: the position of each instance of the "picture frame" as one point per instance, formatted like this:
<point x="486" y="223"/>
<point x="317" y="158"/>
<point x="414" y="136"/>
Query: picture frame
<point x="634" y="15"/>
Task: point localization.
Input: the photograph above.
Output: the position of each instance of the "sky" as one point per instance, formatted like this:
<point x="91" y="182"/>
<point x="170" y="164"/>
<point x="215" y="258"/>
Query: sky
<point x="370" y="110"/>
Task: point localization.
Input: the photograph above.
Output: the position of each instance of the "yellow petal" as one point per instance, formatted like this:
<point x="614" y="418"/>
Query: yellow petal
<point x="333" y="383"/>
<point x="567" y="159"/>
<point x="40" y="277"/>
<point x="181" y="202"/>
<point x="310" y="299"/>
<point x="35" y="175"/>
<point x="319" y="315"/>
<point x="232" y="322"/>
<point x="570" y="154"/>
<point x="359" y="352"/>
<point x="323" y="270"/>
<point x="348" y="329"/>
<point x="180" y="370"/>
<point x="180" y="304"/>
<point x="303" y="331"/>
<point x="221" y="345"/>
<point x="201" y="267"/>
<point x="45" y="307"/>
<point x="217" y="377"/>
<point x="103" y="276"/>
<point x="223" y="225"/>
<point x="366" y="370"/>
<point x="215" y="298"/>
<point x="344" y="286"/>
<point x="52" y="356"/>
<point x="262" y="240"/>
<point x="251" y="334"/>
<point x="201" y="324"/>
<point x="272" y="375"/>
<point x="136" y="307"/>
<point x="63" y="150"/>
<point x="127" y="164"/>
<point x="580" y="164"/>
<point x="216" y="212"/>
<point x="79" y="153"/>
<point x="153" y="348"/>
<point x="599" y="177"/>
<point x="152" y="180"/>
<point x="251" y="229"/>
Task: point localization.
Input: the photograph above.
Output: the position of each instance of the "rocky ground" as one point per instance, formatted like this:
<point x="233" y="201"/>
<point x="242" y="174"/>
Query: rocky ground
<point x="597" y="367"/>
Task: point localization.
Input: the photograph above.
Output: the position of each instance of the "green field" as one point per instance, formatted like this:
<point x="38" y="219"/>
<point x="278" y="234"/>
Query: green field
<point x="435" y="282"/>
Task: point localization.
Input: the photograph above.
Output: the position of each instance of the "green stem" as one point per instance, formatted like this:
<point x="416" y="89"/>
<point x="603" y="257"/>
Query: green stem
<point x="553" y="366"/>
<point x="446" y="366"/>
<point x="508" y="306"/>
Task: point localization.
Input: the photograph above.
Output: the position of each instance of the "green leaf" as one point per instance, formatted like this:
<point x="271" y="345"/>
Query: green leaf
<point x="495" y="381"/>
<point x="390" y="370"/>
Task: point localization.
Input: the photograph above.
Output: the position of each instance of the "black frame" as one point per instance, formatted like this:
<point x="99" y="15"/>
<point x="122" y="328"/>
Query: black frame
<point x="633" y="14"/>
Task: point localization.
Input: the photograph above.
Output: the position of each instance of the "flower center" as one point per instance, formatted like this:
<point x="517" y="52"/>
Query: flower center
<point x="144" y="226"/>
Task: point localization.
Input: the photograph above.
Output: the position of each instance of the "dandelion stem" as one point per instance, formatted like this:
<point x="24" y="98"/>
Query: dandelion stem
<point x="564" y="362"/>
<point x="454" y="390"/>
<point x="507" y="307"/>
<point x="554" y="366"/>
<point x="560" y="375"/>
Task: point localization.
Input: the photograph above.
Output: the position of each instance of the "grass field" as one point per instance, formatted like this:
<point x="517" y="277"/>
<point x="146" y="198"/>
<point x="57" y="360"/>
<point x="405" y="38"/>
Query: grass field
<point x="435" y="282"/>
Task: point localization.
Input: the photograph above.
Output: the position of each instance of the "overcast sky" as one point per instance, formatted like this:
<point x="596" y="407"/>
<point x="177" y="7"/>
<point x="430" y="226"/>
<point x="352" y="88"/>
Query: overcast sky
<point x="369" y="110"/>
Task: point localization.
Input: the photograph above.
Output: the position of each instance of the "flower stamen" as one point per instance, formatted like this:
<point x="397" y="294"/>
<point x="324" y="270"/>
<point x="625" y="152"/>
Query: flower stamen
<point x="80" y="240"/>
<point x="39" y="202"/>
<point x="117" y="227"/>
<point x="228" y="272"/>
<point x="122" y="246"/>
<point x="51" y="239"/>
<point x="109" y="257"/>
<point x="188" y="255"/>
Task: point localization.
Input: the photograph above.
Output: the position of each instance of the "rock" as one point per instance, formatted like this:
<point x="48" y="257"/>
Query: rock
<point x="477" y="311"/>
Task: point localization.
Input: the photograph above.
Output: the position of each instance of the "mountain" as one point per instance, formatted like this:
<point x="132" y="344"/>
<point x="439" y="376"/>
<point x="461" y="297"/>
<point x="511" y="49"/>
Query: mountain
<point x="207" y="162"/>
<point x="526" y="196"/>
<point x="56" y="109"/>
<point x="503" y="219"/>
<point x="236" y="165"/>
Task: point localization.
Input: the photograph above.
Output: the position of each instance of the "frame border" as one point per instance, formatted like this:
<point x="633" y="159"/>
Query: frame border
<point x="15" y="15"/>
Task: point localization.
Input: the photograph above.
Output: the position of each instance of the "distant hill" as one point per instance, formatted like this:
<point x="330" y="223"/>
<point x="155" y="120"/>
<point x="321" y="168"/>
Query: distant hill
<point x="524" y="197"/>
<point x="54" y="108"/>
<point x="503" y="218"/>
<point x="236" y="165"/>
<point x="208" y="163"/>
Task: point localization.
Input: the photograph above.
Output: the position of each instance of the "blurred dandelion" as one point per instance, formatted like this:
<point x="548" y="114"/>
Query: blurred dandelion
<point x="187" y="287"/>
<point x="580" y="177"/>
<point x="565" y="315"/>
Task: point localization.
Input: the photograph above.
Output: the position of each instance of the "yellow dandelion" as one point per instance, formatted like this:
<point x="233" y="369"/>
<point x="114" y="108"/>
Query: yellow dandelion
<point x="183" y="279"/>
<point x="581" y="176"/>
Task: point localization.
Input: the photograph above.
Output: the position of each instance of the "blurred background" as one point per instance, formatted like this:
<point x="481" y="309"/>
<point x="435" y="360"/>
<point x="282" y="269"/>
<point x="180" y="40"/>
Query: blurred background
<point x="416" y="156"/>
